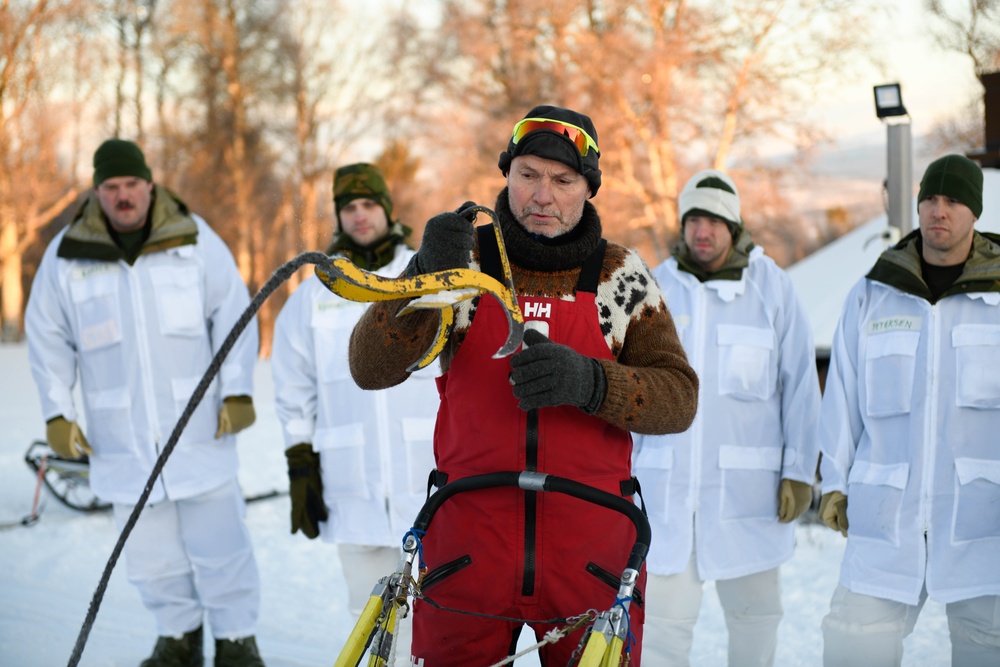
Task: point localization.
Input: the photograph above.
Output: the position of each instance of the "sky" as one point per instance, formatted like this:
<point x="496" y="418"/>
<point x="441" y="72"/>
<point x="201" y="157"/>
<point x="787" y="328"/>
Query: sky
<point x="935" y="83"/>
<point x="49" y="570"/>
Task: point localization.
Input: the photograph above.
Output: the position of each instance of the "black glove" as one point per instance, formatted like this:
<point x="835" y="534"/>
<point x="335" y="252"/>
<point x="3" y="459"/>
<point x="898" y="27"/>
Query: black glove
<point x="447" y="242"/>
<point x="306" y="489"/>
<point x="544" y="374"/>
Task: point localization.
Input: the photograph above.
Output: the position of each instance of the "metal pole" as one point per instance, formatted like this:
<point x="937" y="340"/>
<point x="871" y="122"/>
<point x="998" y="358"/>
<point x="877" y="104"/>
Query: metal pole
<point x="900" y="181"/>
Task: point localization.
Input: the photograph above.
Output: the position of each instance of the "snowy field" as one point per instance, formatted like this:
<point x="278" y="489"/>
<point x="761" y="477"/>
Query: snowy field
<point x="48" y="571"/>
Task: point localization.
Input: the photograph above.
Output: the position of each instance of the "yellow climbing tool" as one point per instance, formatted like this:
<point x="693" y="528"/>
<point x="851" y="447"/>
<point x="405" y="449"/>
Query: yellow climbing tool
<point x="439" y="291"/>
<point x="605" y="643"/>
<point x="376" y="627"/>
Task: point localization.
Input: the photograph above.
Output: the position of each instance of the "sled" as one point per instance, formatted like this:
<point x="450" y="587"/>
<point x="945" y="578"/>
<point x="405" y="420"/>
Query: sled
<point x="605" y="642"/>
<point x="68" y="480"/>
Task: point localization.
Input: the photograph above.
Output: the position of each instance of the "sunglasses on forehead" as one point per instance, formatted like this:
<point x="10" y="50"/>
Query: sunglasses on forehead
<point x="583" y="141"/>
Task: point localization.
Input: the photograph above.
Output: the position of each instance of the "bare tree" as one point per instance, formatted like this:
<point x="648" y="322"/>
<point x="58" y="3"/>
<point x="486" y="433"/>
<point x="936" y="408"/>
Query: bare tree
<point x="973" y="30"/>
<point x="958" y="133"/>
<point x="256" y="103"/>
<point x="338" y="88"/>
<point x="673" y="85"/>
<point x="32" y="186"/>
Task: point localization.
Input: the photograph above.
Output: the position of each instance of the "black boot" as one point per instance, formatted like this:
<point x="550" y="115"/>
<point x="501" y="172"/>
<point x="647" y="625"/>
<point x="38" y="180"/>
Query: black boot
<point x="184" y="652"/>
<point x="240" y="652"/>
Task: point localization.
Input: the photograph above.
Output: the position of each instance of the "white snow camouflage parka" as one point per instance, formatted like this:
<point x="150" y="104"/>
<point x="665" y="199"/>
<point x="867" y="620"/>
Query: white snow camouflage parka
<point x="910" y="431"/>
<point x="375" y="447"/>
<point x="140" y="337"/>
<point x="758" y="408"/>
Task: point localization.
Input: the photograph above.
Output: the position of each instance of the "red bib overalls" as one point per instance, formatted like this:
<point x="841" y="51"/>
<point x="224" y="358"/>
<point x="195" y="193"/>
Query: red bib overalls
<point x="509" y="552"/>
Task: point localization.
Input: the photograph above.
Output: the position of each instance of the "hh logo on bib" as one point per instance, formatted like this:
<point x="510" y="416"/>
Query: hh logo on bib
<point x="536" y="309"/>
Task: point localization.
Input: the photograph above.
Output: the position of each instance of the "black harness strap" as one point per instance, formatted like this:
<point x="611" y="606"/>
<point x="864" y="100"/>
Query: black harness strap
<point x="590" y="272"/>
<point x="489" y="253"/>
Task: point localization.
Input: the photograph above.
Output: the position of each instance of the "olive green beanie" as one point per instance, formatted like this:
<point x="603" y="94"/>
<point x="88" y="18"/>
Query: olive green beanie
<point x="118" y="157"/>
<point x="957" y="177"/>
<point x="360" y="181"/>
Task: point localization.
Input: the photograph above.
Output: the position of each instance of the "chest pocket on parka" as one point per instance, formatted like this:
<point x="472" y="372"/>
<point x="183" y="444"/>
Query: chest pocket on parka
<point x="977" y="365"/>
<point x="97" y="309"/>
<point x="745" y="362"/>
<point x="179" y="300"/>
<point x="890" y="365"/>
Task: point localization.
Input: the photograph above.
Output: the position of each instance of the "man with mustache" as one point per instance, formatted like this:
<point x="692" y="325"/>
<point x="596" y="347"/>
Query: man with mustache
<point x="134" y="298"/>
<point x="357" y="460"/>
<point x="722" y="496"/>
<point x="563" y="405"/>
<point x="909" y="433"/>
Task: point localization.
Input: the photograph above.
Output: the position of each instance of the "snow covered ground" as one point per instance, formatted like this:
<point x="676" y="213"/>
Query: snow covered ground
<point x="48" y="571"/>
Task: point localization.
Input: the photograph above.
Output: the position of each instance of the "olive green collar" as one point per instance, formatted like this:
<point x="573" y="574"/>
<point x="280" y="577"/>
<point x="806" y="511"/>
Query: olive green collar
<point x="899" y="267"/>
<point x="88" y="237"/>
<point x="374" y="256"/>
<point x="737" y="259"/>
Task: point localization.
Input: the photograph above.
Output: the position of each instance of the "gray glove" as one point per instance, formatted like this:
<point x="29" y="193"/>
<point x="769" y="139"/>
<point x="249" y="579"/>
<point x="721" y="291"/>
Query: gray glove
<point x="545" y="374"/>
<point x="447" y="242"/>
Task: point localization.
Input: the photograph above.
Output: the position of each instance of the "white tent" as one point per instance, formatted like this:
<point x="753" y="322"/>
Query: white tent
<point x="823" y="279"/>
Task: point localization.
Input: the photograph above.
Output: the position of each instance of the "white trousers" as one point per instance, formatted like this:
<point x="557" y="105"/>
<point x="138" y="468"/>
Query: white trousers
<point x="865" y="630"/>
<point x="192" y="556"/>
<point x="752" y="607"/>
<point x="363" y="567"/>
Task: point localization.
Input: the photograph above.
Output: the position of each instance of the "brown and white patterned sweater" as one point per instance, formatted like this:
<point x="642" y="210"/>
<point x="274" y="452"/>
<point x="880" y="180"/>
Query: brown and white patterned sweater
<point x="650" y="386"/>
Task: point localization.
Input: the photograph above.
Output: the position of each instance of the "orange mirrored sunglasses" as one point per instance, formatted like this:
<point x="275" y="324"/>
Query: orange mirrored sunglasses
<point x="583" y="141"/>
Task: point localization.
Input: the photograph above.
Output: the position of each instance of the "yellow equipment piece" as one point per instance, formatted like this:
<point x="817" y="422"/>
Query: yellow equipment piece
<point x="613" y="656"/>
<point x="599" y="653"/>
<point x="377" y="622"/>
<point x="595" y="652"/>
<point x="605" y="645"/>
<point x="360" y="636"/>
<point x="440" y="291"/>
<point x="375" y="659"/>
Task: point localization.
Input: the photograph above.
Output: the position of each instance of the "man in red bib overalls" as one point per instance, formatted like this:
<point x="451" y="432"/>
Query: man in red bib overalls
<point x="609" y="362"/>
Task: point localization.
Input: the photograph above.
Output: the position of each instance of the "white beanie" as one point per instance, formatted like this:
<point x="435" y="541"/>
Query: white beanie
<point x="713" y="192"/>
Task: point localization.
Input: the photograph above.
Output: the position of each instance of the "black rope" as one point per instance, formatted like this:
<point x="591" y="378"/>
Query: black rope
<point x="282" y="274"/>
<point x="512" y="619"/>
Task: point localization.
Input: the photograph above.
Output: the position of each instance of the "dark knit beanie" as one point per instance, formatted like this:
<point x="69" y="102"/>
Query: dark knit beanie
<point x="957" y="177"/>
<point x="551" y="145"/>
<point x="360" y="181"/>
<point x="118" y="157"/>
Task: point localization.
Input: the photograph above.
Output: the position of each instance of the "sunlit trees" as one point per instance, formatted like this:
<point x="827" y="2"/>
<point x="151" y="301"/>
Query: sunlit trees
<point x="675" y="85"/>
<point x="32" y="186"/>
<point x="245" y="108"/>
